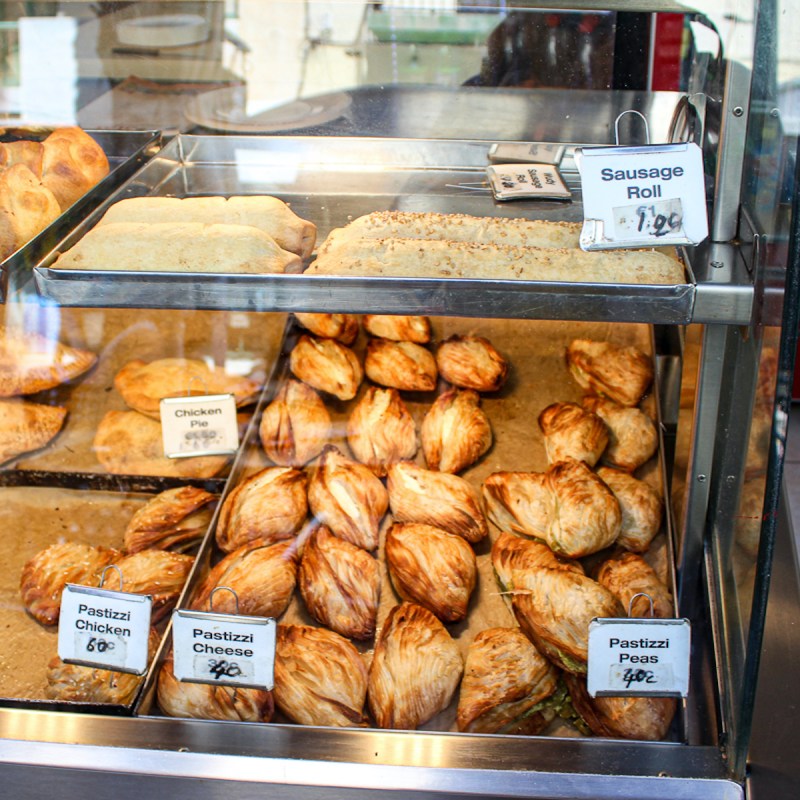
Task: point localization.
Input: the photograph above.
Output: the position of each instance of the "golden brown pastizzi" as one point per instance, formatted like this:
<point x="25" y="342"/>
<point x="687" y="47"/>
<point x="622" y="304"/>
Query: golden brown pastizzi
<point x="432" y="568"/>
<point x="626" y="575"/>
<point x="471" y="362"/>
<point x="130" y="443"/>
<point x="144" y="385"/>
<point x="211" y="701"/>
<point x="435" y="498"/>
<point x="295" y="426"/>
<point x="572" y="432"/>
<point x="380" y="429"/>
<point x="455" y="432"/>
<point x="326" y="365"/>
<point x="398" y="328"/>
<point x="25" y="426"/>
<point x="340" y="584"/>
<point x="641" y="506"/>
<point x="342" y="327"/>
<point x="320" y="678"/>
<point x="622" y="373"/>
<point x="415" y="670"/>
<point x="519" y="501"/>
<point x="45" y="575"/>
<point x="348" y="498"/>
<point x="400" y="365"/>
<point x="505" y="681"/>
<point x="173" y="520"/>
<point x="632" y="436"/>
<point x="268" y="506"/>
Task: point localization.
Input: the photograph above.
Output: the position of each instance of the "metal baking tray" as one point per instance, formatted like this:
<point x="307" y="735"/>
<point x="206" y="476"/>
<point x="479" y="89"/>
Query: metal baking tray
<point x="538" y="377"/>
<point x="329" y="181"/>
<point x="126" y="152"/>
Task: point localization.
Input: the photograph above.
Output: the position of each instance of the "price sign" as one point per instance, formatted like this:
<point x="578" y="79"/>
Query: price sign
<point x="102" y="628"/>
<point x="638" y="657"/>
<point x="227" y="649"/>
<point x="527" y="181"/>
<point x="526" y="153"/>
<point x="642" y="196"/>
<point x="203" y="425"/>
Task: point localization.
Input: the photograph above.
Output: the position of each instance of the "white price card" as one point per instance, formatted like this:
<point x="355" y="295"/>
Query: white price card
<point x="644" y="196"/>
<point x="227" y="649"/>
<point x="526" y="153"/>
<point x="103" y="628"/>
<point x="638" y="657"/>
<point x="527" y="182"/>
<point x="202" y="425"/>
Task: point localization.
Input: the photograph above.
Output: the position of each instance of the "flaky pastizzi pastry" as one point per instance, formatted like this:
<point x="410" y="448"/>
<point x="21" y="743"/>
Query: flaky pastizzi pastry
<point x="31" y="363"/>
<point x="632" y="436"/>
<point x="340" y="584"/>
<point x="519" y="501"/>
<point x="398" y="328"/>
<point x="400" y="365"/>
<point x="380" y="429"/>
<point x="45" y="575"/>
<point x="554" y="608"/>
<point x="645" y="718"/>
<point x="511" y="553"/>
<point x="506" y="683"/>
<point x="455" y="432"/>
<point x="210" y="701"/>
<point x="587" y="515"/>
<point x="320" y="678"/>
<point x="158" y="573"/>
<point x="74" y="683"/>
<point x="173" y="520"/>
<point x="326" y="365"/>
<point x="431" y="567"/>
<point x="269" y="506"/>
<point x="144" y="385"/>
<point x="572" y="432"/>
<point x="348" y="498"/>
<point x="435" y="498"/>
<point x="622" y="373"/>
<point x="626" y="575"/>
<point x="263" y="577"/>
<point x="130" y="443"/>
<point x="415" y="670"/>
<point x="25" y="426"/>
<point x="471" y="362"/>
<point x="342" y="327"/>
<point x="295" y="426"/>
<point x="641" y="505"/>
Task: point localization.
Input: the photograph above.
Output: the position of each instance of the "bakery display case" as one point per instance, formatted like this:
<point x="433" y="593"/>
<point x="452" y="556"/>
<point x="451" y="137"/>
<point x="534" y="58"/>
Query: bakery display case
<point x="421" y="380"/>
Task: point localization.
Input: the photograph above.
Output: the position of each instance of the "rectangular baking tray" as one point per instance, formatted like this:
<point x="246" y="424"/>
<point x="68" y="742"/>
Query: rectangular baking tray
<point x="535" y="351"/>
<point x="329" y="181"/>
<point x="126" y="152"/>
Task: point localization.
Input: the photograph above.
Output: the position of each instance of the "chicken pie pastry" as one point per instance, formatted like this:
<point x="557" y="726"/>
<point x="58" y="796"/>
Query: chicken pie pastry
<point x="380" y="429"/>
<point x="622" y="373"/>
<point x="25" y="426"/>
<point x="320" y="678"/>
<point x="632" y="436"/>
<point x="400" y="365"/>
<point x="506" y="685"/>
<point x="435" y="498"/>
<point x="295" y="426"/>
<point x="641" y="506"/>
<point x="348" y="498"/>
<point x="455" y="431"/>
<point x="398" y="328"/>
<point x="31" y="363"/>
<point x="143" y="386"/>
<point x="342" y="327"/>
<point x="46" y="574"/>
<point x="340" y="585"/>
<point x="173" y="520"/>
<point x="269" y="506"/>
<point x="471" y="362"/>
<point x="415" y="670"/>
<point x="572" y="432"/>
<point x="326" y="365"/>
<point x="431" y="567"/>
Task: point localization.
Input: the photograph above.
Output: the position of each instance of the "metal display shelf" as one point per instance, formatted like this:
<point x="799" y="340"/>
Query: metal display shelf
<point x="331" y="180"/>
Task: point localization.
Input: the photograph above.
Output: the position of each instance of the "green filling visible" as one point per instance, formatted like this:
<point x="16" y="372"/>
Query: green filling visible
<point x="571" y="665"/>
<point x="562" y="704"/>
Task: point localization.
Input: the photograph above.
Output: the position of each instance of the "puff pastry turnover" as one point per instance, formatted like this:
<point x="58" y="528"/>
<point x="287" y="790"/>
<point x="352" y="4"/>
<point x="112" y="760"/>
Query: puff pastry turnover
<point x="27" y="426"/>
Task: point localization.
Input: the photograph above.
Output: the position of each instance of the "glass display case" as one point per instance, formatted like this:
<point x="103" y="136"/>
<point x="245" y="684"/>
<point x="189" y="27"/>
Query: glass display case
<point x="373" y="124"/>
